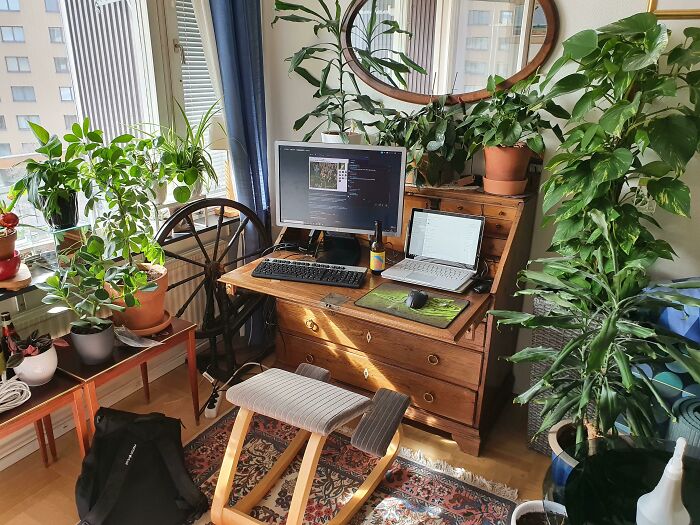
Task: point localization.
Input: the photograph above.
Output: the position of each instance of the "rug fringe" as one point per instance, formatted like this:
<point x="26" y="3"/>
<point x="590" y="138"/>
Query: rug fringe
<point x="442" y="466"/>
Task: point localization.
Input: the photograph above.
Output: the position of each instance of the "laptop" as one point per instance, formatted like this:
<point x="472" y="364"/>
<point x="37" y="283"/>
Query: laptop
<point x="442" y="250"/>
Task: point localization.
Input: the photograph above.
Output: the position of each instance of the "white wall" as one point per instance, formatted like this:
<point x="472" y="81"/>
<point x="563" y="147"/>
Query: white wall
<point x="288" y="97"/>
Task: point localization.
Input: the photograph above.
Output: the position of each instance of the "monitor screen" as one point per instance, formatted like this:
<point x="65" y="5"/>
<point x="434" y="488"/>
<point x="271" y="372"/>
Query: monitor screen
<point x="445" y="237"/>
<point x="339" y="187"/>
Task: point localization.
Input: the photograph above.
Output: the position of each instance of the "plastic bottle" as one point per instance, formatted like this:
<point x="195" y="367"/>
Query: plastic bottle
<point x="663" y="505"/>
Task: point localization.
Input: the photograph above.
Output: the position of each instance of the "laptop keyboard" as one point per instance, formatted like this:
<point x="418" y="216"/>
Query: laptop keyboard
<point x="437" y="270"/>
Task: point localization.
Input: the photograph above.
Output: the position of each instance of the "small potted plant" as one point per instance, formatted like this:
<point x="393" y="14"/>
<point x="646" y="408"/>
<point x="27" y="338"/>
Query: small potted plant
<point x="539" y="513"/>
<point x="508" y="126"/>
<point x="52" y="184"/>
<point x="36" y="360"/>
<point x="9" y="257"/>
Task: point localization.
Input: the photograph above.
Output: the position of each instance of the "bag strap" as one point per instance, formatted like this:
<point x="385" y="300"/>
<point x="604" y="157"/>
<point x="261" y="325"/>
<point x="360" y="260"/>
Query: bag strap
<point x="183" y="482"/>
<point x="112" y="489"/>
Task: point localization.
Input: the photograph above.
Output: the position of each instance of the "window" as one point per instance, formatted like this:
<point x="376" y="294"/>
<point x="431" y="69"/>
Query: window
<point x="29" y="147"/>
<point x="504" y="44"/>
<point x="9" y="5"/>
<point x="475" y="68"/>
<point x="51" y="6"/>
<point x="17" y="64"/>
<point x="61" y="64"/>
<point x="69" y="120"/>
<point x="478" y="42"/>
<point x="5" y="149"/>
<point x="23" y="94"/>
<point x="23" y="120"/>
<point x="469" y="88"/>
<point x="12" y="33"/>
<point x="3" y="124"/>
<point x="503" y="70"/>
<point x="66" y="94"/>
<point x="478" y="17"/>
<point x="56" y="35"/>
<point x="506" y="18"/>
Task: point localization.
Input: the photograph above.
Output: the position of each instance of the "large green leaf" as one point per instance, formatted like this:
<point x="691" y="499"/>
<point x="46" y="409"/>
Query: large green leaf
<point x="655" y="43"/>
<point x="569" y="83"/>
<point x="581" y="44"/>
<point x="533" y="355"/>
<point x="639" y="23"/>
<point x="674" y="138"/>
<point x="613" y="166"/>
<point x="587" y="102"/>
<point x="614" y="118"/>
<point x="671" y="194"/>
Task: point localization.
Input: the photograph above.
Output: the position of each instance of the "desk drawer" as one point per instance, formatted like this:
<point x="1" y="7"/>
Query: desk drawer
<point x="420" y="354"/>
<point x="433" y="395"/>
<point x="459" y="206"/>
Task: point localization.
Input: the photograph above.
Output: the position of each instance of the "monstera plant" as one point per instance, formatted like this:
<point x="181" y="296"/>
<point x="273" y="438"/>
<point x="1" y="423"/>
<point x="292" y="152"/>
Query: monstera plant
<point x="627" y="126"/>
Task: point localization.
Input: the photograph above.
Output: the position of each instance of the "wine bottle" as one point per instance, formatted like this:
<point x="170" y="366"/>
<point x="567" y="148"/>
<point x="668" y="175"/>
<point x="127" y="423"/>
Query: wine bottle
<point x="377" y="254"/>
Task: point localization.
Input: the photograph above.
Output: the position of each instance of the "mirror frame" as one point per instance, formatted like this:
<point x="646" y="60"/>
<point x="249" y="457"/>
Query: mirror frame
<point x="550" y="39"/>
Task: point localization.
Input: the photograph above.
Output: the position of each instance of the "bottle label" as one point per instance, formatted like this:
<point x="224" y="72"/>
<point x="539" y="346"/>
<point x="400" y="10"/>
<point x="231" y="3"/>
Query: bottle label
<point x="377" y="261"/>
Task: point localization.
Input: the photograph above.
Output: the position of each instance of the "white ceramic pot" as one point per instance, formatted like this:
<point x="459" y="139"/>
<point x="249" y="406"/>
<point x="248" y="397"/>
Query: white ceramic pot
<point x="161" y="191"/>
<point x="38" y="370"/>
<point x="197" y="189"/>
<point x="536" y="506"/>
<point x="333" y="137"/>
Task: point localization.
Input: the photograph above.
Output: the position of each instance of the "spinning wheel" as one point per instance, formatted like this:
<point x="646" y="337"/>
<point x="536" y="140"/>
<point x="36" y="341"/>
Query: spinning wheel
<point x="223" y="314"/>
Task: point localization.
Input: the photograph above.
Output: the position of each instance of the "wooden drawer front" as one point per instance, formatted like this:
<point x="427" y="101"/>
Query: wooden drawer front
<point x="500" y="212"/>
<point x="458" y="206"/>
<point x="497" y="228"/>
<point x="434" y="358"/>
<point x="430" y="394"/>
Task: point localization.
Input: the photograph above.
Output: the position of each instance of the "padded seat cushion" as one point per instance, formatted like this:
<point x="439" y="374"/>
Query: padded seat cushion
<point x="300" y="401"/>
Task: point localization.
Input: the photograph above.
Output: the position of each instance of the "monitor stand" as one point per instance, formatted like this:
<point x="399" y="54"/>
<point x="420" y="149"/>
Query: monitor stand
<point x="339" y="248"/>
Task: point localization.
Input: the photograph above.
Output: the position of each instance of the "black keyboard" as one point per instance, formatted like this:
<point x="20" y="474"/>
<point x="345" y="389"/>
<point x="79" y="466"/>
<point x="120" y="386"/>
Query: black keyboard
<point x="311" y="272"/>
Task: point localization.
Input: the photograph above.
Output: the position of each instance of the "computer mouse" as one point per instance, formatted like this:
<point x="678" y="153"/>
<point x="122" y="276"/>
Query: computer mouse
<point x="416" y="299"/>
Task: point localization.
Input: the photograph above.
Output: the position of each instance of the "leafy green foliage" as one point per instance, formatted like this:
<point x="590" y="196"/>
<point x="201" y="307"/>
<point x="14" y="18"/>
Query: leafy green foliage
<point x="339" y="105"/>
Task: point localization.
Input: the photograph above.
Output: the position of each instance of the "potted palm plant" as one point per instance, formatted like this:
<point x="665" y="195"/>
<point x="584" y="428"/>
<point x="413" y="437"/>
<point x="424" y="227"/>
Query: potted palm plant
<point x="52" y="184"/>
<point x="508" y="126"/>
<point x="339" y="105"/>
<point x="599" y="285"/>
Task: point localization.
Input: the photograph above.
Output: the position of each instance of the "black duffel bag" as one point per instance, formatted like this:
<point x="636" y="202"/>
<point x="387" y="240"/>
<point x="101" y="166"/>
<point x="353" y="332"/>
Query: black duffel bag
<point x="135" y="473"/>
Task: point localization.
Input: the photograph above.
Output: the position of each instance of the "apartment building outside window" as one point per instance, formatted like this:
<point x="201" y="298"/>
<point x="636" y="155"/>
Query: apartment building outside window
<point x="11" y="34"/>
<point x="56" y="35"/>
<point x="23" y="94"/>
<point x="66" y="94"/>
<point x="69" y="120"/>
<point x="29" y="147"/>
<point x="506" y="18"/>
<point x="504" y="43"/>
<point x="3" y="124"/>
<point x="5" y="149"/>
<point x="61" y="64"/>
<point x="478" y="17"/>
<point x="472" y="67"/>
<point x="478" y="42"/>
<point x="51" y="6"/>
<point x="23" y="121"/>
<point x="9" y="5"/>
<point x="17" y="64"/>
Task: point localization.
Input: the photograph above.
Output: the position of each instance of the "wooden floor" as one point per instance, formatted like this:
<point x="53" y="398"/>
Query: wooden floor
<point x="33" y="495"/>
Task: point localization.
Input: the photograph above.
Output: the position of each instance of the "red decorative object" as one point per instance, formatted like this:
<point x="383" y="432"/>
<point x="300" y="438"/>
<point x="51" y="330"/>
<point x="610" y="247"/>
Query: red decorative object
<point x="9" y="267"/>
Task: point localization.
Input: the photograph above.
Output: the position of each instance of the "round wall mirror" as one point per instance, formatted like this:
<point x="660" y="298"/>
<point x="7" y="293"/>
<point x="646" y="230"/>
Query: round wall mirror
<point x="447" y="46"/>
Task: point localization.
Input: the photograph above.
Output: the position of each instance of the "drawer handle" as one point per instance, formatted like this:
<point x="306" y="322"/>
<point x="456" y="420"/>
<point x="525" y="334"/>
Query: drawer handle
<point x="502" y="213"/>
<point x="365" y="373"/>
<point x="311" y="325"/>
<point x="309" y="359"/>
<point x="369" y="337"/>
<point x="433" y="359"/>
<point x="428" y="397"/>
<point x="498" y="226"/>
<point x="460" y="208"/>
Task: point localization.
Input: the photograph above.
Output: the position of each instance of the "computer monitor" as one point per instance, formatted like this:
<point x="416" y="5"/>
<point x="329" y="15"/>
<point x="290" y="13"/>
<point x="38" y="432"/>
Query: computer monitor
<point x="339" y="187"/>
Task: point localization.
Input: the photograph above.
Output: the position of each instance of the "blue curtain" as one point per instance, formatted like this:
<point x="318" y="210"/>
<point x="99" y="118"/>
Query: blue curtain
<point x="238" y="31"/>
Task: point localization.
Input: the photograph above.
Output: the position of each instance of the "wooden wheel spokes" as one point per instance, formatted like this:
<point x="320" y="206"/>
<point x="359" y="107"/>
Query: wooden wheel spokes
<point x="241" y="228"/>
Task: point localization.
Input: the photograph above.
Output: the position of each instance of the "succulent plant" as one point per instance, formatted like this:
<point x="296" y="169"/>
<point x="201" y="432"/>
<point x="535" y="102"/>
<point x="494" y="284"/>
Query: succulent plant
<point x="35" y="344"/>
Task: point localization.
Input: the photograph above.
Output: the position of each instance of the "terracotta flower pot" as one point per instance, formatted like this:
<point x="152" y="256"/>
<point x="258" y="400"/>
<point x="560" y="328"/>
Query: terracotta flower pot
<point x="9" y="267"/>
<point x="507" y="162"/>
<point x="7" y="245"/>
<point x="505" y="187"/>
<point x="152" y="308"/>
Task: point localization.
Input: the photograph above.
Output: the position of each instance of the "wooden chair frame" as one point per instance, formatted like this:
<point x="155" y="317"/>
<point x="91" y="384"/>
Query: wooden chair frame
<point x="221" y="514"/>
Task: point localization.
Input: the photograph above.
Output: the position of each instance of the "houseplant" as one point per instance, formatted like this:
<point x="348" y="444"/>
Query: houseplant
<point x="81" y="287"/>
<point x="52" y="183"/>
<point x="509" y="126"/>
<point x="37" y="359"/>
<point x="184" y="157"/>
<point x="599" y="286"/>
<point x="434" y="137"/>
<point x="338" y="106"/>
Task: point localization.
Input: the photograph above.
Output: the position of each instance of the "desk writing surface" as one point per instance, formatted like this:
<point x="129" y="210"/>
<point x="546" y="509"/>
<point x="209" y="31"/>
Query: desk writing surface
<point x="313" y="294"/>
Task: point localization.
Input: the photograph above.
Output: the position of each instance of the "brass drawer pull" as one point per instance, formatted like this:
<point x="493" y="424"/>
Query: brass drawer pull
<point x="311" y="325"/>
<point x="369" y="336"/>
<point x="428" y="397"/>
<point x="365" y="373"/>
<point x="460" y="207"/>
<point x="498" y="226"/>
<point x="433" y="359"/>
<point x="309" y="359"/>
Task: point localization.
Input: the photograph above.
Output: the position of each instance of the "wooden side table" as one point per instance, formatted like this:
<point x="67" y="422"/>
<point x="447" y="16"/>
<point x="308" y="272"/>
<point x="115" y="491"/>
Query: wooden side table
<point x="124" y="359"/>
<point x="62" y="390"/>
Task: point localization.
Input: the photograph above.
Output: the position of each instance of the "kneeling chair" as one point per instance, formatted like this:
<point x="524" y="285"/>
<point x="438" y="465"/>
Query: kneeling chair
<point x="307" y="401"/>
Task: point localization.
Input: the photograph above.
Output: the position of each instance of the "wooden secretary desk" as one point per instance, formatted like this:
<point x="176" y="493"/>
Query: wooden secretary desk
<point x="456" y="377"/>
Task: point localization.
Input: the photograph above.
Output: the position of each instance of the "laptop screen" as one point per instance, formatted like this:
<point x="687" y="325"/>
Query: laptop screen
<point x="445" y="237"/>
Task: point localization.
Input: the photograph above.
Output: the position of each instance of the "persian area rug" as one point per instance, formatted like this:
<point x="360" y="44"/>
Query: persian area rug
<point x="415" y="490"/>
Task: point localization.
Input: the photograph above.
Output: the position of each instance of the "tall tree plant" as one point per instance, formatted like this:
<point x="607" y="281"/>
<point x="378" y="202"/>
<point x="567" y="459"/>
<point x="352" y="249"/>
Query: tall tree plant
<point x="627" y="125"/>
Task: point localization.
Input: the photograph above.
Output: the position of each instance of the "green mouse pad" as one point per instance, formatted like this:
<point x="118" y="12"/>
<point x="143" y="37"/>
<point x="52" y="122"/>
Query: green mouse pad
<point x="390" y="298"/>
